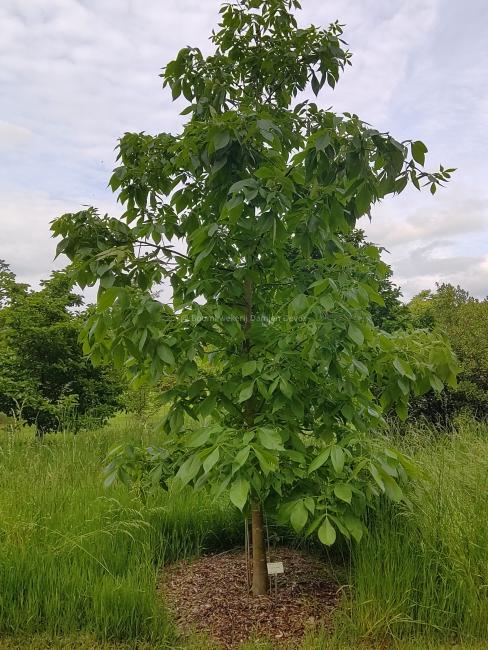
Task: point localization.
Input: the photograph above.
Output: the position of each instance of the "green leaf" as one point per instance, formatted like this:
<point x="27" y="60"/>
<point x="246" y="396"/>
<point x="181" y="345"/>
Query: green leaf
<point x="267" y="461"/>
<point x="218" y="164"/>
<point x="239" y="492"/>
<point x="299" y="304"/>
<point x="286" y="388"/>
<point x="327" y="533"/>
<point x="165" y="354"/>
<point x="436" y="383"/>
<point x="354" y="526"/>
<point x="309" y="504"/>
<point x="299" y="516"/>
<point x="319" y="460"/>
<point x="320" y="286"/>
<point x="312" y="527"/>
<point x="363" y="199"/>
<point x="337" y="457"/>
<point x="107" y="280"/>
<point x="246" y="392"/>
<point x="322" y="141"/>
<point x="220" y="140"/>
<point x="265" y="172"/>
<point x="110" y="479"/>
<point x="202" y="255"/>
<point x="199" y="437"/>
<point x="376" y="475"/>
<point x="392" y="490"/>
<point x="340" y="526"/>
<point x="315" y="84"/>
<point x="418" y="152"/>
<point x="108" y="297"/>
<point x="270" y="439"/>
<point x="403" y="367"/>
<point x="355" y="334"/>
<point x="266" y="127"/>
<point x="296" y="456"/>
<point x="211" y="459"/>
<point x="248" y="368"/>
<point x="207" y="406"/>
<point x="401" y="410"/>
<point x="239" y="185"/>
<point x="241" y="457"/>
<point x="189" y="469"/>
<point x="327" y="302"/>
<point x="343" y="492"/>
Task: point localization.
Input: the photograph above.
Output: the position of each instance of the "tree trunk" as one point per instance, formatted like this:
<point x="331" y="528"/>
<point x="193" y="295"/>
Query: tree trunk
<point x="259" y="566"/>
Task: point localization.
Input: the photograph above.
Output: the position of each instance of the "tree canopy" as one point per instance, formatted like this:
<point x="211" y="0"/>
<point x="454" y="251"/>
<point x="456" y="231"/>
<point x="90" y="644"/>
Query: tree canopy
<point x="464" y="320"/>
<point x="42" y="369"/>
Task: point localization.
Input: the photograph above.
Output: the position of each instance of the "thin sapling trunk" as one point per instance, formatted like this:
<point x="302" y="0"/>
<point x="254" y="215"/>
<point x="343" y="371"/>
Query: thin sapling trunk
<point x="259" y="565"/>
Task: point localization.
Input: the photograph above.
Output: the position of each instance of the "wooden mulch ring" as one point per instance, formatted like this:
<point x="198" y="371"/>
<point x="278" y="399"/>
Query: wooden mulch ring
<point x="210" y="596"/>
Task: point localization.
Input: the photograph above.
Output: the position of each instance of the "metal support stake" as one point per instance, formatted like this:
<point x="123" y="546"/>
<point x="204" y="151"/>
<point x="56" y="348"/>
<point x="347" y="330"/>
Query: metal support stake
<point x="247" y="552"/>
<point x="269" y="551"/>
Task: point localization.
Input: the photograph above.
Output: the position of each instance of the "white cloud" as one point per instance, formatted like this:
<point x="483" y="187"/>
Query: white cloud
<point x="433" y="239"/>
<point x="471" y="275"/>
<point x="26" y="242"/>
<point x="76" y="74"/>
<point x="413" y="217"/>
<point x="383" y="37"/>
<point x="13" y="135"/>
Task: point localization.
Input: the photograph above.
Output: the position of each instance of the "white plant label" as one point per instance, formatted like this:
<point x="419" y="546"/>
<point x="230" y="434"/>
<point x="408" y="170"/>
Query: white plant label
<point x="274" y="568"/>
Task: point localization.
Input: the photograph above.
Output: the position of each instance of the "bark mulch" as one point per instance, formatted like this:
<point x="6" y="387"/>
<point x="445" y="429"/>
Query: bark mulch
<point x="210" y="596"/>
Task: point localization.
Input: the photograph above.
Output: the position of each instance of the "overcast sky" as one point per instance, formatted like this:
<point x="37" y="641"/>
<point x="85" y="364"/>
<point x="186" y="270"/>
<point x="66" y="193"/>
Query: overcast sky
<point x="77" y="74"/>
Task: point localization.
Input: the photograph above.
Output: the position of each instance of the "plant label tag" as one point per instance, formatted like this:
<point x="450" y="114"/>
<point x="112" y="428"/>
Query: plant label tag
<point x="274" y="568"/>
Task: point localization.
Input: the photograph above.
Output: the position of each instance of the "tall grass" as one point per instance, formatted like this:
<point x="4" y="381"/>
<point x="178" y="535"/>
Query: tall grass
<point x="74" y="556"/>
<point x="423" y="571"/>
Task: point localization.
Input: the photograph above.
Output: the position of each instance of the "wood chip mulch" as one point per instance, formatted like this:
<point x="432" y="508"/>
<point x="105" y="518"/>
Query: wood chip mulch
<point x="210" y="596"/>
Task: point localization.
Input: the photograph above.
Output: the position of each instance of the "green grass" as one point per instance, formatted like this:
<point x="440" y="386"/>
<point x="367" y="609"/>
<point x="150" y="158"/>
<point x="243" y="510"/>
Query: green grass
<point x="321" y="642"/>
<point x="78" y="563"/>
<point x="424" y="572"/>
<point x="74" y="556"/>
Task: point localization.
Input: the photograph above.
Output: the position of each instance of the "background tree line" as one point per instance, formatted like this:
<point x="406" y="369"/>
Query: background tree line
<point x="464" y="320"/>
<point x="47" y="381"/>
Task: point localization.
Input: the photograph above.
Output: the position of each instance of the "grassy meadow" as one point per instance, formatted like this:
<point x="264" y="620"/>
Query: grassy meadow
<point x="79" y="563"/>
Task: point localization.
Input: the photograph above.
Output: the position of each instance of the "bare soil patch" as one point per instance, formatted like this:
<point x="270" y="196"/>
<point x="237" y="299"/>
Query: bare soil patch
<point x="210" y="595"/>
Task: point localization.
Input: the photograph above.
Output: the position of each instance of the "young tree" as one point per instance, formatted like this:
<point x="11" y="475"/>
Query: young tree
<point x="284" y="366"/>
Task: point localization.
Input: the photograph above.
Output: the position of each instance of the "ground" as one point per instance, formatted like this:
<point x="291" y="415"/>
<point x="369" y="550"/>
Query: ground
<point x="211" y="595"/>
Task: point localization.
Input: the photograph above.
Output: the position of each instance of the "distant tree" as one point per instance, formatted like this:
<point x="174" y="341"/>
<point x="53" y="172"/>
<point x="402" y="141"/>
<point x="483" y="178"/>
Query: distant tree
<point x="42" y="367"/>
<point x="8" y="284"/>
<point x="294" y="361"/>
<point x="420" y="308"/>
<point x="464" y="320"/>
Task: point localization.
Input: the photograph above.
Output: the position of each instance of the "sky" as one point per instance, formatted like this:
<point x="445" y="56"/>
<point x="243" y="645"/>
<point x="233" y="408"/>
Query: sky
<point x="77" y="74"/>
